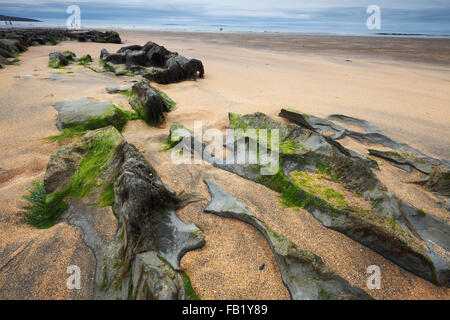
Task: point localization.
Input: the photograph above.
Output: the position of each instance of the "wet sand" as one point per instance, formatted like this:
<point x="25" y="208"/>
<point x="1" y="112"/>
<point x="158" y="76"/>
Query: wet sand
<point x="401" y="86"/>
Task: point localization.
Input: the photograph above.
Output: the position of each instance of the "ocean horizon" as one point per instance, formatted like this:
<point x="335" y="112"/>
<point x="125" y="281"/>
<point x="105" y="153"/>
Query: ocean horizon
<point x="284" y="28"/>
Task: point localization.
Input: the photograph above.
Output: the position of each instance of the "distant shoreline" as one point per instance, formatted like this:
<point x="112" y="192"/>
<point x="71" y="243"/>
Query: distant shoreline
<point x="414" y="35"/>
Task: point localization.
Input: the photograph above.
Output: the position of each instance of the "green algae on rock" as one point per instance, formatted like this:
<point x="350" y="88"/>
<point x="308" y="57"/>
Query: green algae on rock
<point x="149" y="103"/>
<point x="77" y="116"/>
<point x="141" y="261"/>
<point x="406" y="242"/>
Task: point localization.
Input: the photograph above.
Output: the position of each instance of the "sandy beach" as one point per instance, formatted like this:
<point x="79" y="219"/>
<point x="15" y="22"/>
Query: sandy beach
<point x="400" y="85"/>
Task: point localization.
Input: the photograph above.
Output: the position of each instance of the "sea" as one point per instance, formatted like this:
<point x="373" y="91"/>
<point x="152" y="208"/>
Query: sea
<point x="354" y="27"/>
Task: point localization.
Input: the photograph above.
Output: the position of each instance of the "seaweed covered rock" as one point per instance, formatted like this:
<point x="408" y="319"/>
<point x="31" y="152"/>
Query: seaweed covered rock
<point x="90" y="114"/>
<point x="57" y="60"/>
<point x="149" y="103"/>
<point x="69" y="55"/>
<point x="304" y="274"/>
<point x="123" y="89"/>
<point x="84" y="59"/>
<point x="154" y="62"/>
<point x="15" y="41"/>
<point x="357" y="204"/>
<point x="402" y="154"/>
<point x="140" y="260"/>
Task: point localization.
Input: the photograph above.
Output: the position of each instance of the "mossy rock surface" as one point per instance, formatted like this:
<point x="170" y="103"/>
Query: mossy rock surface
<point x="149" y="103"/>
<point x="389" y="226"/>
<point x="90" y="114"/>
<point x="101" y="170"/>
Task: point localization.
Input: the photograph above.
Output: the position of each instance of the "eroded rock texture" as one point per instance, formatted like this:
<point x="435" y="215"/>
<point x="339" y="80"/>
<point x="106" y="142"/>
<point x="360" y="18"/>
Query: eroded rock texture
<point x="364" y="210"/>
<point x="138" y="258"/>
<point x="149" y="103"/>
<point x="153" y="62"/>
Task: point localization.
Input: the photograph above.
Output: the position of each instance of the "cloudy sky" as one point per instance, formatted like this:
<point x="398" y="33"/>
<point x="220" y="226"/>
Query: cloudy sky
<point x="398" y="15"/>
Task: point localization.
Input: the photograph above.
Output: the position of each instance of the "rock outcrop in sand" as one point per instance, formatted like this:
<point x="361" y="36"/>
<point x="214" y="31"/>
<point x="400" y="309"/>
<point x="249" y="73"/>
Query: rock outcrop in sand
<point x="357" y="204"/>
<point x="15" y="41"/>
<point x="90" y="114"/>
<point x="137" y="252"/>
<point x="153" y="62"/>
<point x="150" y="103"/>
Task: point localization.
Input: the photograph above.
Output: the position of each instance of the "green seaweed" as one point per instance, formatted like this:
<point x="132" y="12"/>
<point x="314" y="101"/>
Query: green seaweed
<point x="188" y="289"/>
<point x="55" y="64"/>
<point x="107" y="198"/>
<point x="165" y="98"/>
<point x="84" y="60"/>
<point x="43" y="210"/>
<point x="117" y="117"/>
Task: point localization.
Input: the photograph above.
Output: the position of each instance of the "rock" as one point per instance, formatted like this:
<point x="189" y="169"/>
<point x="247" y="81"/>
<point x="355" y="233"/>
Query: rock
<point x="90" y="114"/>
<point x="13" y="46"/>
<point x="157" y="56"/>
<point x="439" y="180"/>
<point x="69" y="55"/>
<point x="118" y="69"/>
<point x="130" y="48"/>
<point x="141" y="261"/>
<point x="372" y="135"/>
<point x="13" y="42"/>
<point x="57" y="60"/>
<point x="84" y="60"/>
<point x="103" y="54"/>
<point x="5" y="53"/>
<point x="95" y="36"/>
<point x="148" y="103"/>
<point x="126" y="88"/>
<point x="135" y="58"/>
<point x="383" y="223"/>
<point x="304" y="274"/>
<point x="405" y="158"/>
<point x="155" y="63"/>
<point x="148" y="46"/>
<point x="116" y="58"/>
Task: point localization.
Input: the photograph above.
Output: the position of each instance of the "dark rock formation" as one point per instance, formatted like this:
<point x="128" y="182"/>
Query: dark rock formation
<point x="136" y="58"/>
<point x="95" y="36"/>
<point x="155" y="63"/>
<point x="142" y="260"/>
<point x="148" y="103"/>
<point x="410" y="155"/>
<point x="304" y="274"/>
<point x="57" y="60"/>
<point x="103" y="53"/>
<point x="15" y="41"/>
